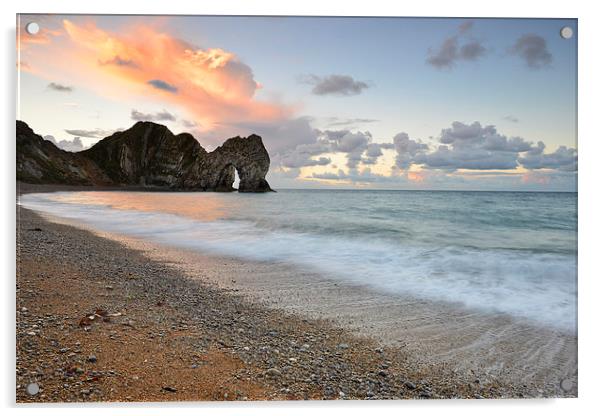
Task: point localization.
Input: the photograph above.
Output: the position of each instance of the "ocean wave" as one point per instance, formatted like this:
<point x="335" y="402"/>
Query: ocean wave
<point x="538" y="286"/>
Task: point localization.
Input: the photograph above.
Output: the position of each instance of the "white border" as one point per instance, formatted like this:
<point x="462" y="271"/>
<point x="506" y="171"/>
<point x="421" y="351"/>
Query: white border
<point x="590" y="208"/>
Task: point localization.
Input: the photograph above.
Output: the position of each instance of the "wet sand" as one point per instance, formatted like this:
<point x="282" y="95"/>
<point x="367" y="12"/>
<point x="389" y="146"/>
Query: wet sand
<point x="495" y="346"/>
<point x="434" y="339"/>
<point x="99" y="321"/>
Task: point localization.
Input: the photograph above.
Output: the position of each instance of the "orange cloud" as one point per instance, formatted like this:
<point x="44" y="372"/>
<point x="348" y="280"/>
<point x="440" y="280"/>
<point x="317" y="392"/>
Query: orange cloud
<point x="212" y="84"/>
<point x="43" y="37"/>
<point x="535" y="178"/>
<point x="416" y="176"/>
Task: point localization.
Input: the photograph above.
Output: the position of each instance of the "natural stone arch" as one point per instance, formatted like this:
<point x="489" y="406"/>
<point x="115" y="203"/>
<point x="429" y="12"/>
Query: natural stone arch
<point x="148" y="155"/>
<point x="225" y="180"/>
<point x="250" y="159"/>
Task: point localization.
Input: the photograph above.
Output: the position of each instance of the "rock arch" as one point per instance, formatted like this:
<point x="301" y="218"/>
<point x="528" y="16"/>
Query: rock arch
<point x="250" y="159"/>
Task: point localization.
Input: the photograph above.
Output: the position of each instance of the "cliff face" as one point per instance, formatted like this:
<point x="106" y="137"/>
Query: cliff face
<point x="147" y="154"/>
<point x="40" y="161"/>
<point x="247" y="155"/>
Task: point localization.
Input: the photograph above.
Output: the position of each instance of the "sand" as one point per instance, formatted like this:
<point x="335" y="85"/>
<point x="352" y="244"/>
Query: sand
<point x="366" y="344"/>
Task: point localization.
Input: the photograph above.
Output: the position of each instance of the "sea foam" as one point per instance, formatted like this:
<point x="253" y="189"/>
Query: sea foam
<point x="539" y="287"/>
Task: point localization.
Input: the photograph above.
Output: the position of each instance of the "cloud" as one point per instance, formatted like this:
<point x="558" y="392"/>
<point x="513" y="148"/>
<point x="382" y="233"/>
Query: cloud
<point x="59" y="87"/>
<point x="74" y="145"/>
<point x="373" y="152"/>
<point x="188" y="123"/>
<point x="159" y="116"/>
<point x="303" y="154"/>
<point x="407" y="150"/>
<point x="450" y="158"/>
<point x="366" y="176"/>
<point x="533" y="50"/>
<point x="446" y="55"/>
<point x="425" y="179"/>
<point x="211" y="84"/>
<point x="511" y="118"/>
<point x="456" y="48"/>
<point x="92" y="134"/>
<point x="535" y="178"/>
<point x="341" y="85"/>
<point x="465" y="157"/>
<point x="344" y="122"/>
<point x="472" y="50"/>
<point x="563" y="159"/>
<point x="43" y="37"/>
<point x="119" y="61"/>
<point x="278" y="136"/>
<point x="477" y="147"/>
<point x="353" y="144"/>
<point x="329" y="176"/>
<point x="474" y="147"/>
<point x="465" y="27"/>
<point x="162" y="85"/>
<point x="356" y="146"/>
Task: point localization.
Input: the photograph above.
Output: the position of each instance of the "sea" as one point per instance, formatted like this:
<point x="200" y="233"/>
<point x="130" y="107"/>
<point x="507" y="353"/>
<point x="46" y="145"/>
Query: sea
<point x="512" y="253"/>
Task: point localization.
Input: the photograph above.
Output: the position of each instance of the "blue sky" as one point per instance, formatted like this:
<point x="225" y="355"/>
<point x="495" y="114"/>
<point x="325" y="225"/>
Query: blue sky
<point x="296" y="81"/>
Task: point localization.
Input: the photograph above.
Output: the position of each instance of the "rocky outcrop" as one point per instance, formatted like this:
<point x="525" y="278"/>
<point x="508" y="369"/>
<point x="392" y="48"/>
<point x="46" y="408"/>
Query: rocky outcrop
<point x="40" y="161"/>
<point x="247" y="155"/>
<point x="147" y="155"/>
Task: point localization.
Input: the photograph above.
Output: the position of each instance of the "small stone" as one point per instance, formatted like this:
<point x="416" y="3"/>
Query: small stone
<point x="92" y="358"/>
<point x="170" y="389"/>
<point x="63" y="350"/>
<point x="343" y="346"/>
<point x="273" y="372"/>
<point x="109" y="287"/>
<point x="410" y="385"/>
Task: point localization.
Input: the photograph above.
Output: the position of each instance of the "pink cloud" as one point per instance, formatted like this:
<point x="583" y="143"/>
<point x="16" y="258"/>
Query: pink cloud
<point x="212" y="84"/>
<point x="535" y="178"/>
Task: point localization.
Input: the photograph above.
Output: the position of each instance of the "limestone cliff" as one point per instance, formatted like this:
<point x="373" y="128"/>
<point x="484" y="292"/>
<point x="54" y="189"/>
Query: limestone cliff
<point x="40" y="161"/>
<point x="147" y="155"/>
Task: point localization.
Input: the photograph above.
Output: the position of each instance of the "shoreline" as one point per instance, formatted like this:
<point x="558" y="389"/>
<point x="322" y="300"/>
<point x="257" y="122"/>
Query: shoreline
<point x="430" y="333"/>
<point x="171" y="335"/>
<point x="241" y="280"/>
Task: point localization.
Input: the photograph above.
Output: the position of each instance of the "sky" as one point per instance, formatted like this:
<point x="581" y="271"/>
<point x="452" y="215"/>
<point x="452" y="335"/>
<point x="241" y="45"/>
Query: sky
<point x="377" y="103"/>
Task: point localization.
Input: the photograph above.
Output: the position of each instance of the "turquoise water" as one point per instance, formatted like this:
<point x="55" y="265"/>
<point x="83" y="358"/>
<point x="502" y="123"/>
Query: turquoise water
<point x="508" y="252"/>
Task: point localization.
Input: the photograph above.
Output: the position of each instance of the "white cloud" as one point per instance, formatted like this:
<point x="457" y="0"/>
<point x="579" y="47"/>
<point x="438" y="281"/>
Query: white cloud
<point x="74" y="145"/>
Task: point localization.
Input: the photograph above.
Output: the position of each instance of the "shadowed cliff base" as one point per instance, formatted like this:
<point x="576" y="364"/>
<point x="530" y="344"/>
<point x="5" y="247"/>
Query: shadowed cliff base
<point x="147" y="155"/>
